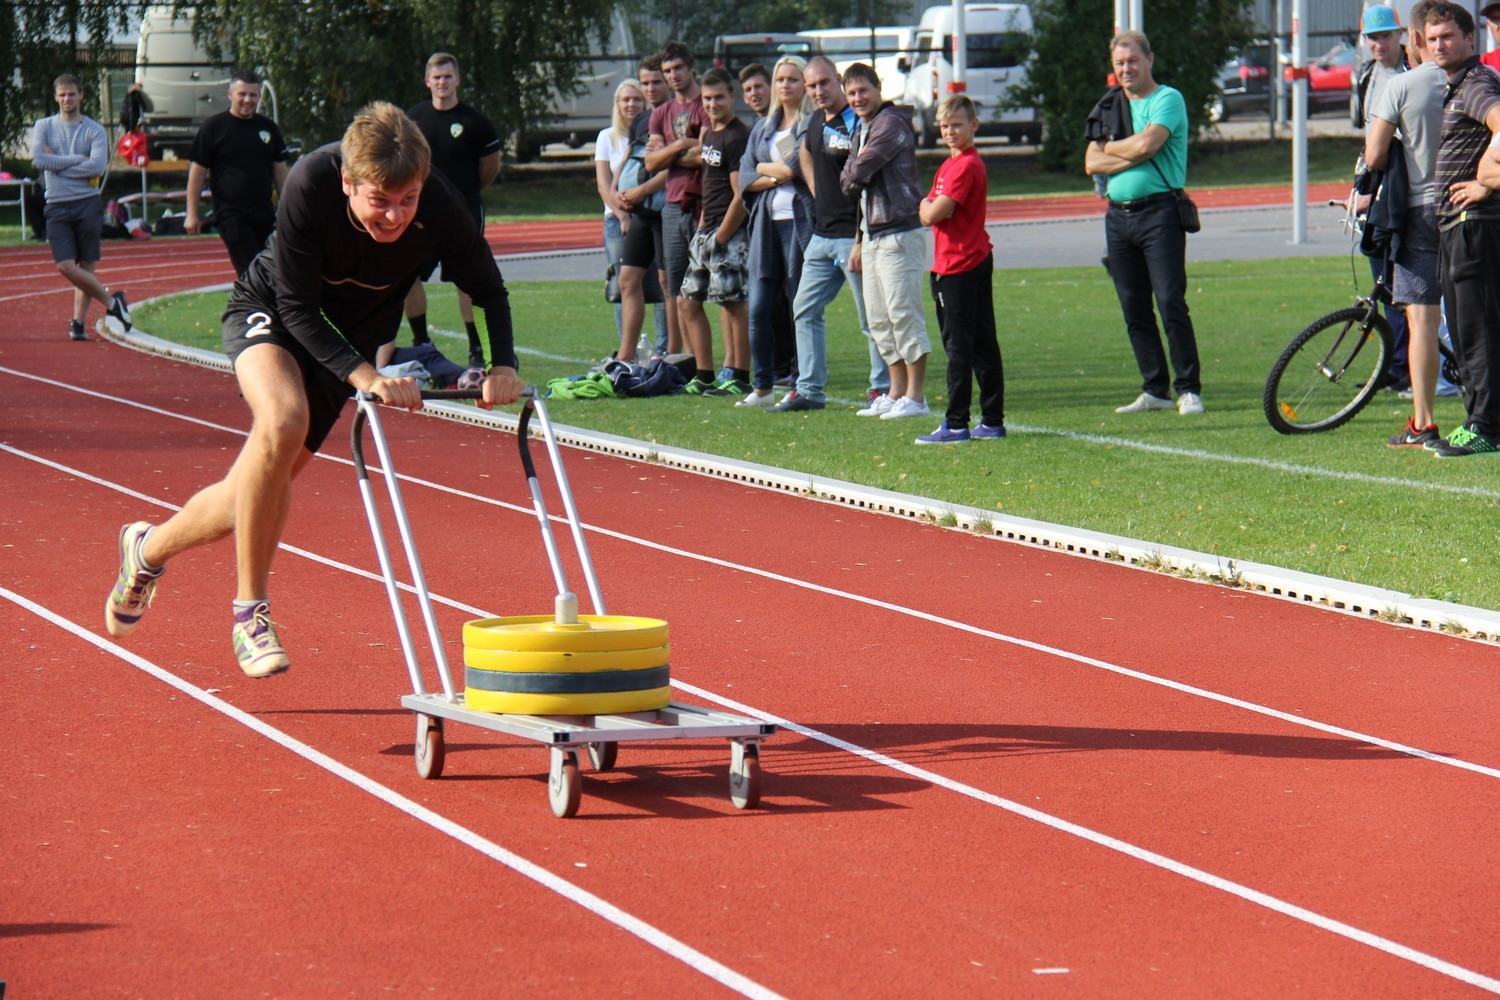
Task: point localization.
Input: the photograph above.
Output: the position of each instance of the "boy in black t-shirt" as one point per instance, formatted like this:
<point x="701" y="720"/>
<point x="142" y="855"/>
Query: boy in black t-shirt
<point x="719" y="251"/>
<point x="357" y="222"/>
<point x="466" y="150"/>
<point x="240" y="153"/>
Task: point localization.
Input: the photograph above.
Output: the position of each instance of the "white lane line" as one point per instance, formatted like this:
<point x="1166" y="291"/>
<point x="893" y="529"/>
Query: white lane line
<point x="1246" y="893"/>
<point x="685" y="953"/>
<point x="1062" y="825"/>
<point x="926" y="616"/>
<point x="600" y="907"/>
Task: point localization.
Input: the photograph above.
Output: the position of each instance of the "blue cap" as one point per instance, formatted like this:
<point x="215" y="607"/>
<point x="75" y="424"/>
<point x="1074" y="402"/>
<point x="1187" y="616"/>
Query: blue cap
<point x="1377" y="19"/>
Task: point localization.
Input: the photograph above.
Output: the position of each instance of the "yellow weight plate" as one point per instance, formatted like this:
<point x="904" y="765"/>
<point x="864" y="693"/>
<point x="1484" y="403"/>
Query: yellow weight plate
<point x="602" y="703"/>
<point x="567" y="663"/>
<point x="542" y="634"/>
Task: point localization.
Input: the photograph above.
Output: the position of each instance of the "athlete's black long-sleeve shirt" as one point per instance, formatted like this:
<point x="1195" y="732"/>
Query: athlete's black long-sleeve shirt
<point x="339" y="292"/>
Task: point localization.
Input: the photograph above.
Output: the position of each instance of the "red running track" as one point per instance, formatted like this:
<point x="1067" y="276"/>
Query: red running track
<point x="1011" y="772"/>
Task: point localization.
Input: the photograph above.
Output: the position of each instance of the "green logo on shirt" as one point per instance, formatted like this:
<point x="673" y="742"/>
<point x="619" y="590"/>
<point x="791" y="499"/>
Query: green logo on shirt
<point x="456" y="129"/>
<point x="265" y="136"/>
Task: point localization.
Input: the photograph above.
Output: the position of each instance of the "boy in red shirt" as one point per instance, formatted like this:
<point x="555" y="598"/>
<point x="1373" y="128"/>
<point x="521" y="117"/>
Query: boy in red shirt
<point x="962" y="280"/>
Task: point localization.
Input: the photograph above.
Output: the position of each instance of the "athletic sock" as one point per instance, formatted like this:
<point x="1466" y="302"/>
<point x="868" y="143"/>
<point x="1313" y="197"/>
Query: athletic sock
<point x="473" y="332"/>
<point x="702" y="375"/>
<point x="419" y="329"/>
<point x="243" y="609"/>
<point x="740" y="374"/>
<point x="140" y="557"/>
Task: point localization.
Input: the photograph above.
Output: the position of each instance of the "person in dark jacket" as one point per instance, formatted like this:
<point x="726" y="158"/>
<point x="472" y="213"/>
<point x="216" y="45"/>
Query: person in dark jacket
<point x="890" y="247"/>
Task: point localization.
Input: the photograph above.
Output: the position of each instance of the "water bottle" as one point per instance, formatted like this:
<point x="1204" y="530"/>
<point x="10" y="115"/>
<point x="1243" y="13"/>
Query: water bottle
<point x="642" y="348"/>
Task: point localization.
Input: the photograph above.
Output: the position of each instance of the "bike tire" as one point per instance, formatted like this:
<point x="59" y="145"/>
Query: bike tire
<point x="1322" y="379"/>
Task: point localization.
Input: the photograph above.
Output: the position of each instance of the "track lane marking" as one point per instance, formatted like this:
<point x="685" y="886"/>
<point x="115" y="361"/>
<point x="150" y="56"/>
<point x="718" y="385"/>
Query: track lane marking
<point x="1145" y="855"/>
<point x="691" y="956"/>
<point x="927" y="616"/>
<point x="600" y="907"/>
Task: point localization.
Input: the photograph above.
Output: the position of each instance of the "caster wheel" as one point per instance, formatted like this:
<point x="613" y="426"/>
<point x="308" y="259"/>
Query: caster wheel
<point x="563" y="787"/>
<point x="602" y="755"/>
<point x="744" y="775"/>
<point x="429" y="746"/>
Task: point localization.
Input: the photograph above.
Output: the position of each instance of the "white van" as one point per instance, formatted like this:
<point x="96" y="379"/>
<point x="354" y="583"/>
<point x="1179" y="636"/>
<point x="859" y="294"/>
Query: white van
<point x="846" y="46"/>
<point x="184" y="86"/>
<point x="998" y="50"/>
<point x="578" y="115"/>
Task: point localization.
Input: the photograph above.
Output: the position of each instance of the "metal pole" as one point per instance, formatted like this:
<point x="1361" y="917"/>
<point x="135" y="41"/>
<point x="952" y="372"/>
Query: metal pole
<point x="1137" y="15"/>
<point x="1122" y="15"/>
<point x="959" y="83"/>
<point x="1299" y="122"/>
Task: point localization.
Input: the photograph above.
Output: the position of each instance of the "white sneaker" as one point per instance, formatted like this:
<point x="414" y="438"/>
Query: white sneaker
<point x="1145" y="401"/>
<point x="754" y="401"/>
<point x="906" y="407"/>
<point x="1189" y="402"/>
<point x="878" y="407"/>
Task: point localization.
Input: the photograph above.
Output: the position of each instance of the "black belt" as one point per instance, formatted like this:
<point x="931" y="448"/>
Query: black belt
<point x="1140" y="203"/>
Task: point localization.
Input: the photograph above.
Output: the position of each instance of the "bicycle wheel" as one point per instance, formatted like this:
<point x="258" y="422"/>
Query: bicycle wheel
<point x="1328" y="372"/>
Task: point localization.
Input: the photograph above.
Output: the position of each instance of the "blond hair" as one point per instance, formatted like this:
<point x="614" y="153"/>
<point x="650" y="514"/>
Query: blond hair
<point x="619" y="124"/>
<point x="954" y="104"/>
<point x="385" y="148"/>
<point x="805" y="108"/>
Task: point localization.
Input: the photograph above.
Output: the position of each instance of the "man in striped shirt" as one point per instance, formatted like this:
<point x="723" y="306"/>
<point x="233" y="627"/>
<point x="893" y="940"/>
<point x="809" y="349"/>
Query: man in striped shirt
<point x="1469" y="226"/>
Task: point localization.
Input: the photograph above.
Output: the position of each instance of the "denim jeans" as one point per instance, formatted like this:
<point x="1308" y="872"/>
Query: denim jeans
<point x="614" y="250"/>
<point x="764" y="289"/>
<point x="1148" y="256"/>
<point x="825" y="268"/>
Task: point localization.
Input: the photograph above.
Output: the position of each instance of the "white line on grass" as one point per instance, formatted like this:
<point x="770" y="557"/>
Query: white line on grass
<point x="600" y="907"/>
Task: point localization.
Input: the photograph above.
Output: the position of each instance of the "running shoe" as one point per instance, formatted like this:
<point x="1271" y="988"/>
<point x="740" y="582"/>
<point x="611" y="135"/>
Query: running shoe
<point x="944" y="435"/>
<point x="476" y="357"/>
<point x="734" y="387"/>
<point x="255" y="643"/>
<point x="1144" y="402"/>
<point x="1189" y="402"/>
<point x="135" y="586"/>
<point x="906" y="407"/>
<point x="1412" y="437"/>
<point x="701" y="387"/>
<point x="119" y="311"/>
<point x="984" y="432"/>
<point x="753" y="401"/>
<point x="1463" y="442"/>
<point x="76" y="331"/>
<point x="878" y="406"/>
<point x="795" y="402"/>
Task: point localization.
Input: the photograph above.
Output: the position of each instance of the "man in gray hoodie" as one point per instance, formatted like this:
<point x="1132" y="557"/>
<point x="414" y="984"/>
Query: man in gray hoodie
<point x="72" y="150"/>
<point x="890" y="248"/>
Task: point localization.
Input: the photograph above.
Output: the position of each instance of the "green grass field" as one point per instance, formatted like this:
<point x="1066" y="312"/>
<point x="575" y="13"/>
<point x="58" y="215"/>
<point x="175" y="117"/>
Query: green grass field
<point x="1338" y="504"/>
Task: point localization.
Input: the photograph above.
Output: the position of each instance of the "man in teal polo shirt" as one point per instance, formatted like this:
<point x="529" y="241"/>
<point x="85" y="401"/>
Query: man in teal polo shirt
<point x="1146" y="242"/>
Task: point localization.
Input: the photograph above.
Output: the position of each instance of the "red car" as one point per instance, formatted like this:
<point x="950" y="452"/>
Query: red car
<point x="1332" y="69"/>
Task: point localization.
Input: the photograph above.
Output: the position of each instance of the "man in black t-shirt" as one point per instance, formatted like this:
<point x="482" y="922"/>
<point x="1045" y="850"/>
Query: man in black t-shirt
<point x="357" y="222"/>
<point x="825" y="261"/>
<point x="719" y="251"/>
<point x="241" y="155"/>
<point x="466" y="150"/>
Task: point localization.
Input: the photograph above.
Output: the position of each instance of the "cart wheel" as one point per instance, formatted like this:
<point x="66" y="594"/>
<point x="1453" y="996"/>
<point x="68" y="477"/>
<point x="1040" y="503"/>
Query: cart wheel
<point x="602" y="755"/>
<point x="429" y="747"/>
<point x="744" y="775"/>
<point x="563" y="787"/>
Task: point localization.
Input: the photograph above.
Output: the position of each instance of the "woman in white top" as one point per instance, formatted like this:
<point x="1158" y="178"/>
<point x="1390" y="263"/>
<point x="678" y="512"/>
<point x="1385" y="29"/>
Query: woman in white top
<point x="780" y="223"/>
<point x="610" y="152"/>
